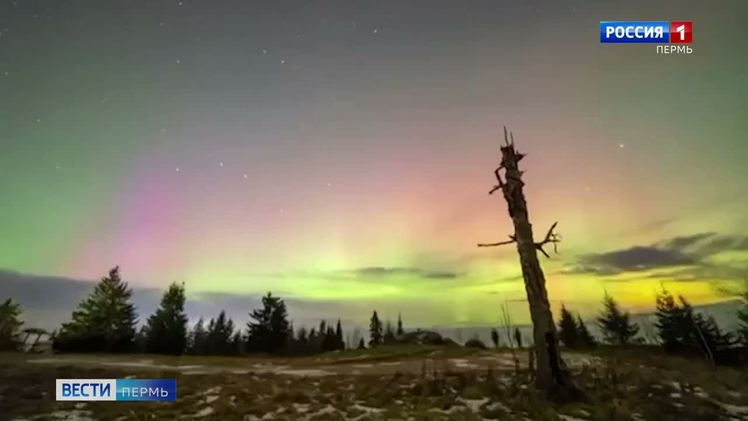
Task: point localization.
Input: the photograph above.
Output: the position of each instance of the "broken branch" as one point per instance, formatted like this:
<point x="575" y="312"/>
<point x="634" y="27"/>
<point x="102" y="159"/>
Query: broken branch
<point x="550" y="237"/>
<point x="511" y="240"/>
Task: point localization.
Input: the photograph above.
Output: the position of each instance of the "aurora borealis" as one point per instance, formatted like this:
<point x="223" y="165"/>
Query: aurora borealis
<point x="340" y="152"/>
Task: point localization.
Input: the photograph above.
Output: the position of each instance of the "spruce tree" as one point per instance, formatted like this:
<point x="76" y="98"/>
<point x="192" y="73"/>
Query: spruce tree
<point x="615" y="324"/>
<point x="568" y="329"/>
<point x="361" y="344"/>
<point x="220" y="332"/>
<point x="330" y="340"/>
<point x="495" y="337"/>
<point x="389" y="333"/>
<point x="301" y="336"/>
<point x="312" y="341"/>
<point x="743" y="324"/>
<point x="400" y="330"/>
<point x="10" y="325"/>
<point x="104" y="321"/>
<point x="268" y="329"/>
<point x="674" y="323"/>
<point x="586" y="340"/>
<point x="167" y="327"/>
<point x="743" y="315"/>
<point x="198" y="339"/>
<point x="237" y="343"/>
<point x="683" y="331"/>
<point x="375" y="330"/>
<point x="339" y="342"/>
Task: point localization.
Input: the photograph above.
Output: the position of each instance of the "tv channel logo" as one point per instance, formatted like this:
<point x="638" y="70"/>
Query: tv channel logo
<point x="646" y="32"/>
<point x="149" y="390"/>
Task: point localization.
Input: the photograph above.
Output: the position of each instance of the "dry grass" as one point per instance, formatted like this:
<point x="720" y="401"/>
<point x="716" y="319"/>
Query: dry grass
<point x="629" y="385"/>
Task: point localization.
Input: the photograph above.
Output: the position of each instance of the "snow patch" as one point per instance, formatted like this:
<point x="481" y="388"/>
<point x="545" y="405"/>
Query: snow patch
<point x="570" y="418"/>
<point x="462" y="363"/>
<point x="72" y="415"/>
<point x="306" y="372"/>
<point x="474" y="404"/>
<point x="204" y="412"/>
<point x="732" y="410"/>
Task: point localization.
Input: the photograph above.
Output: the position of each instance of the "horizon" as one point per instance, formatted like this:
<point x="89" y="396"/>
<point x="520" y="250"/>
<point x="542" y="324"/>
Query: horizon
<point x="340" y="155"/>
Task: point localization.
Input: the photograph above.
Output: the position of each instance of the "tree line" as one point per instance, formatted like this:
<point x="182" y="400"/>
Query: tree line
<point x="106" y="321"/>
<point x="680" y="330"/>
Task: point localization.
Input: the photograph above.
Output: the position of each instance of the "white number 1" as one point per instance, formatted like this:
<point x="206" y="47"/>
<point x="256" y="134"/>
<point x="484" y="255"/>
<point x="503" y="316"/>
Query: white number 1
<point x="682" y="31"/>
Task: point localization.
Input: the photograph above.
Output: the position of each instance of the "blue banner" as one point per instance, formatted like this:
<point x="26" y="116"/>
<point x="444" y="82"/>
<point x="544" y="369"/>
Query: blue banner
<point x="635" y="32"/>
<point x="152" y="390"/>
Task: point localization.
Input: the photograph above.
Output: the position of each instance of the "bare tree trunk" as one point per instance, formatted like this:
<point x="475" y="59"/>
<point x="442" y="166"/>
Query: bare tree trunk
<point x="551" y="377"/>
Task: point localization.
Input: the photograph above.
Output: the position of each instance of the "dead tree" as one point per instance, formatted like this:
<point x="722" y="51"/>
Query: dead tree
<point x="551" y="375"/>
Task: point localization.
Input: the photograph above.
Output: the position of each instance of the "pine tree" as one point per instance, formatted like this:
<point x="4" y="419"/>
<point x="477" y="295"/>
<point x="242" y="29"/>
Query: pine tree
<point x="495" y="337"/>
<point x="400" y="330"/>
<point x="269" y="328"/>
<point x="568" y="329"/>
<point x="586" y="340"/>
<point x="361" y="344"/>
<point x="615" y="324"/>
<point x="375" y="330"/>
<point x="167" y="327"/>
<point x="104" y="322"/>
<point x="339" y="342"/>
<point x="10" y="325"/>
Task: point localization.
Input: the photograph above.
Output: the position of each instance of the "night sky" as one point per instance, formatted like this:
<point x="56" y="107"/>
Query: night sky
<point x="339" y="153"/>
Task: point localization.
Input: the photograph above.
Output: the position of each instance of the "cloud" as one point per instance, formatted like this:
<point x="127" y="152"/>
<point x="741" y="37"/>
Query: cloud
<point x="684" y="242"/>
<point x="377" y="271"/>
<point x="383" y="271"/>
<point x="634" y="259"/>
<point x="690" y="253"/>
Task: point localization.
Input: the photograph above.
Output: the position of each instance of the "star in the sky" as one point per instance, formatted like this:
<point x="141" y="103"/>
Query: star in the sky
<point x="178" y="169"/>
<point x="38" y="120"/>
<point x="220" y="164"/>
<point x="179" y="61"/>
<point x="621" y="146"/>
<point x="5" y="73"/>
<point x="375" y="30"/>
<point x="264" y="51"/>
<point x="245" y="176"/>
<point x="283" y="61"/>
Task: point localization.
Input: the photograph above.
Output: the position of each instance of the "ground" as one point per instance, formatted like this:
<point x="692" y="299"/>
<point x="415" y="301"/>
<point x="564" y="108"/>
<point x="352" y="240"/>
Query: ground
<point x="401" y="382"/>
